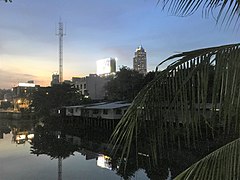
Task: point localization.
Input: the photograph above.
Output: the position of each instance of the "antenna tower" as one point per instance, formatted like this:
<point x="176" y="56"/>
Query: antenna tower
<point x="60" y="34"/>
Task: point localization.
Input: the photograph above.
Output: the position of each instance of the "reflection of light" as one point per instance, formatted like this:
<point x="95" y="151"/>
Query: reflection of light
<point x="103" y="162"/>
<point x="19" y="101"/>
<point x="58" y="134"/>
<point x="20" y="137"/>
<point x="30" y="136"/>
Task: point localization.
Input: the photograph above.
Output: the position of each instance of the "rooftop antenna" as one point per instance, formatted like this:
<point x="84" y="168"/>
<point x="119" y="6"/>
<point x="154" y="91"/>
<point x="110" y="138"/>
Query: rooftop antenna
<point x="60" y="34"/>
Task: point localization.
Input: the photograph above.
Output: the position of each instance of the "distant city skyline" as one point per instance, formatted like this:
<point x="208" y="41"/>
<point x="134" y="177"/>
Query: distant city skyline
<point x="96" y="30"/>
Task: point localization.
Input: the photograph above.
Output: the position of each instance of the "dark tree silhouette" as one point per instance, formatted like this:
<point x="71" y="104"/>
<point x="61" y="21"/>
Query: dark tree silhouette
<point x="48" y="99"/>
<point x="126" y="84"/>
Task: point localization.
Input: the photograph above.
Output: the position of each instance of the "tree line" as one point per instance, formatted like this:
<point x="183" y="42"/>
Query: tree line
<point x="126" y="84"/>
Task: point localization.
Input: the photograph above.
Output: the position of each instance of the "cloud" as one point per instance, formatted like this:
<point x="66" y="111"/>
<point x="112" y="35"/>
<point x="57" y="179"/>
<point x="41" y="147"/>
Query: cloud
<point x="10" y="79"/>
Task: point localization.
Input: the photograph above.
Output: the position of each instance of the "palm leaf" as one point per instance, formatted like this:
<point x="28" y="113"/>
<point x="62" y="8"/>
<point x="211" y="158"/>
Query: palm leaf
<point x="195" y="98"/>
<point x="224" y="163"/>
<point x="226" y="10"/>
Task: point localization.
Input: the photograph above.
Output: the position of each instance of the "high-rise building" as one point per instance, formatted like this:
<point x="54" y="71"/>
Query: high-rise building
<point x="106" y="66"/>
<point x="140" y="60"/>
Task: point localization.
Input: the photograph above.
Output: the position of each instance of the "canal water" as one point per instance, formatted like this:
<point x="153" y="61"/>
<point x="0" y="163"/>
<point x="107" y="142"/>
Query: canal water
<point x="34" y="150"/>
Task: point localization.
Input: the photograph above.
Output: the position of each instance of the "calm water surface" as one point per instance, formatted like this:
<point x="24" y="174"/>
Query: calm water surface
<point x="31" y="151"/>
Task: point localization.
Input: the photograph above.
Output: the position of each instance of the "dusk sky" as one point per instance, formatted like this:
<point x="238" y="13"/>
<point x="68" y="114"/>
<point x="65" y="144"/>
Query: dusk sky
<point x="95" y="30"/>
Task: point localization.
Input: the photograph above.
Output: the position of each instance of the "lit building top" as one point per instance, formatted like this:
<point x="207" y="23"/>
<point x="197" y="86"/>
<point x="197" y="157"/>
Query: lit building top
<point x="106" y="66"/>
<point x="26" y="85"/>
<point x="140" y="48"/>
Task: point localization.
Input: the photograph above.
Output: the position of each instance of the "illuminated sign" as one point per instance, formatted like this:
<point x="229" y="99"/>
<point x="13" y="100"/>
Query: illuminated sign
<point x="106" y="66"/>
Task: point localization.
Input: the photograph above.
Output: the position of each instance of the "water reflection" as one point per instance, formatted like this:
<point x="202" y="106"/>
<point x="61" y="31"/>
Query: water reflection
<point x="4" y="129"/>
<point x="60" y="141"/>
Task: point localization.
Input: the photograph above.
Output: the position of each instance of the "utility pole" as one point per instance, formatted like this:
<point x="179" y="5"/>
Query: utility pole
<point x="59" y="160"/>
<point x="60" y="34"/>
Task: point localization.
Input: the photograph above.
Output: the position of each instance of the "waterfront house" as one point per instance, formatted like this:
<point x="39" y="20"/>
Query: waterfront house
<point x="103" y="110"/>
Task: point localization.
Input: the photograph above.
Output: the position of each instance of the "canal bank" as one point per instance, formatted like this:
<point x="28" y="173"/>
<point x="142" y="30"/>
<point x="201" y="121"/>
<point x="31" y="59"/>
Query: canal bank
<point x="15" y="115"/>
<point x="10" y="115"/>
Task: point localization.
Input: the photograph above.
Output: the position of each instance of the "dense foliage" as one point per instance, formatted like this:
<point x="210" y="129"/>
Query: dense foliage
<point x="6" y="105"/>
<point x="48" y="141"/>
<point x="48" y="99"/>
<point x="3" y="92"/>
<point x="126" y="84"/>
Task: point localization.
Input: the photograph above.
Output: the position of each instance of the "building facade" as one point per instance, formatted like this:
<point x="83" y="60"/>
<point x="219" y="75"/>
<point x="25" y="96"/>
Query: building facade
<point x="22" y="95"/>
<point x="91" y="86"/>
<point x="140" y="60"/>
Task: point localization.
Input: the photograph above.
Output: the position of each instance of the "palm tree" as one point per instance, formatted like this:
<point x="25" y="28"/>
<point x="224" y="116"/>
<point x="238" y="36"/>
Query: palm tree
<point x="195" y="99"/>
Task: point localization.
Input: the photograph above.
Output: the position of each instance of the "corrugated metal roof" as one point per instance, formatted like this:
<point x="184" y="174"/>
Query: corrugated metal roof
<point x="113" y="105"/>
<point x="84" y="105"/>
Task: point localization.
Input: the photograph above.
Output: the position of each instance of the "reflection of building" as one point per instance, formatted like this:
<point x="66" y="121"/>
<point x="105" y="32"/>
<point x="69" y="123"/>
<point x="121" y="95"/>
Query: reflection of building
<point x="106" y="66"/>
<point x="55" y="79"/>
<point x="91" y="86"/>
<point x="91" y="149"/>
<point x="22" y="95"/>
<point x="140" y="60"/>
<point x="1" y="135"/>
<point x="20" y="137"/>
<point x="4" y="129"/>
<point x="8" y="97"/>
<point x="104" y="161"/>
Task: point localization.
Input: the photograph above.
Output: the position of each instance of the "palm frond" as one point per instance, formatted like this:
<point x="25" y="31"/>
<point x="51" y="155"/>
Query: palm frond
<point x="224" y="163"/>
<point x="226" y="10"/>
<point x="195" y="98"/>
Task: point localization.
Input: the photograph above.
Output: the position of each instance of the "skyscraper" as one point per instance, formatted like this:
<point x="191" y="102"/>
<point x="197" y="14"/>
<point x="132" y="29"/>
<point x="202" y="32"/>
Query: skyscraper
<point x="140" y="60"/>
